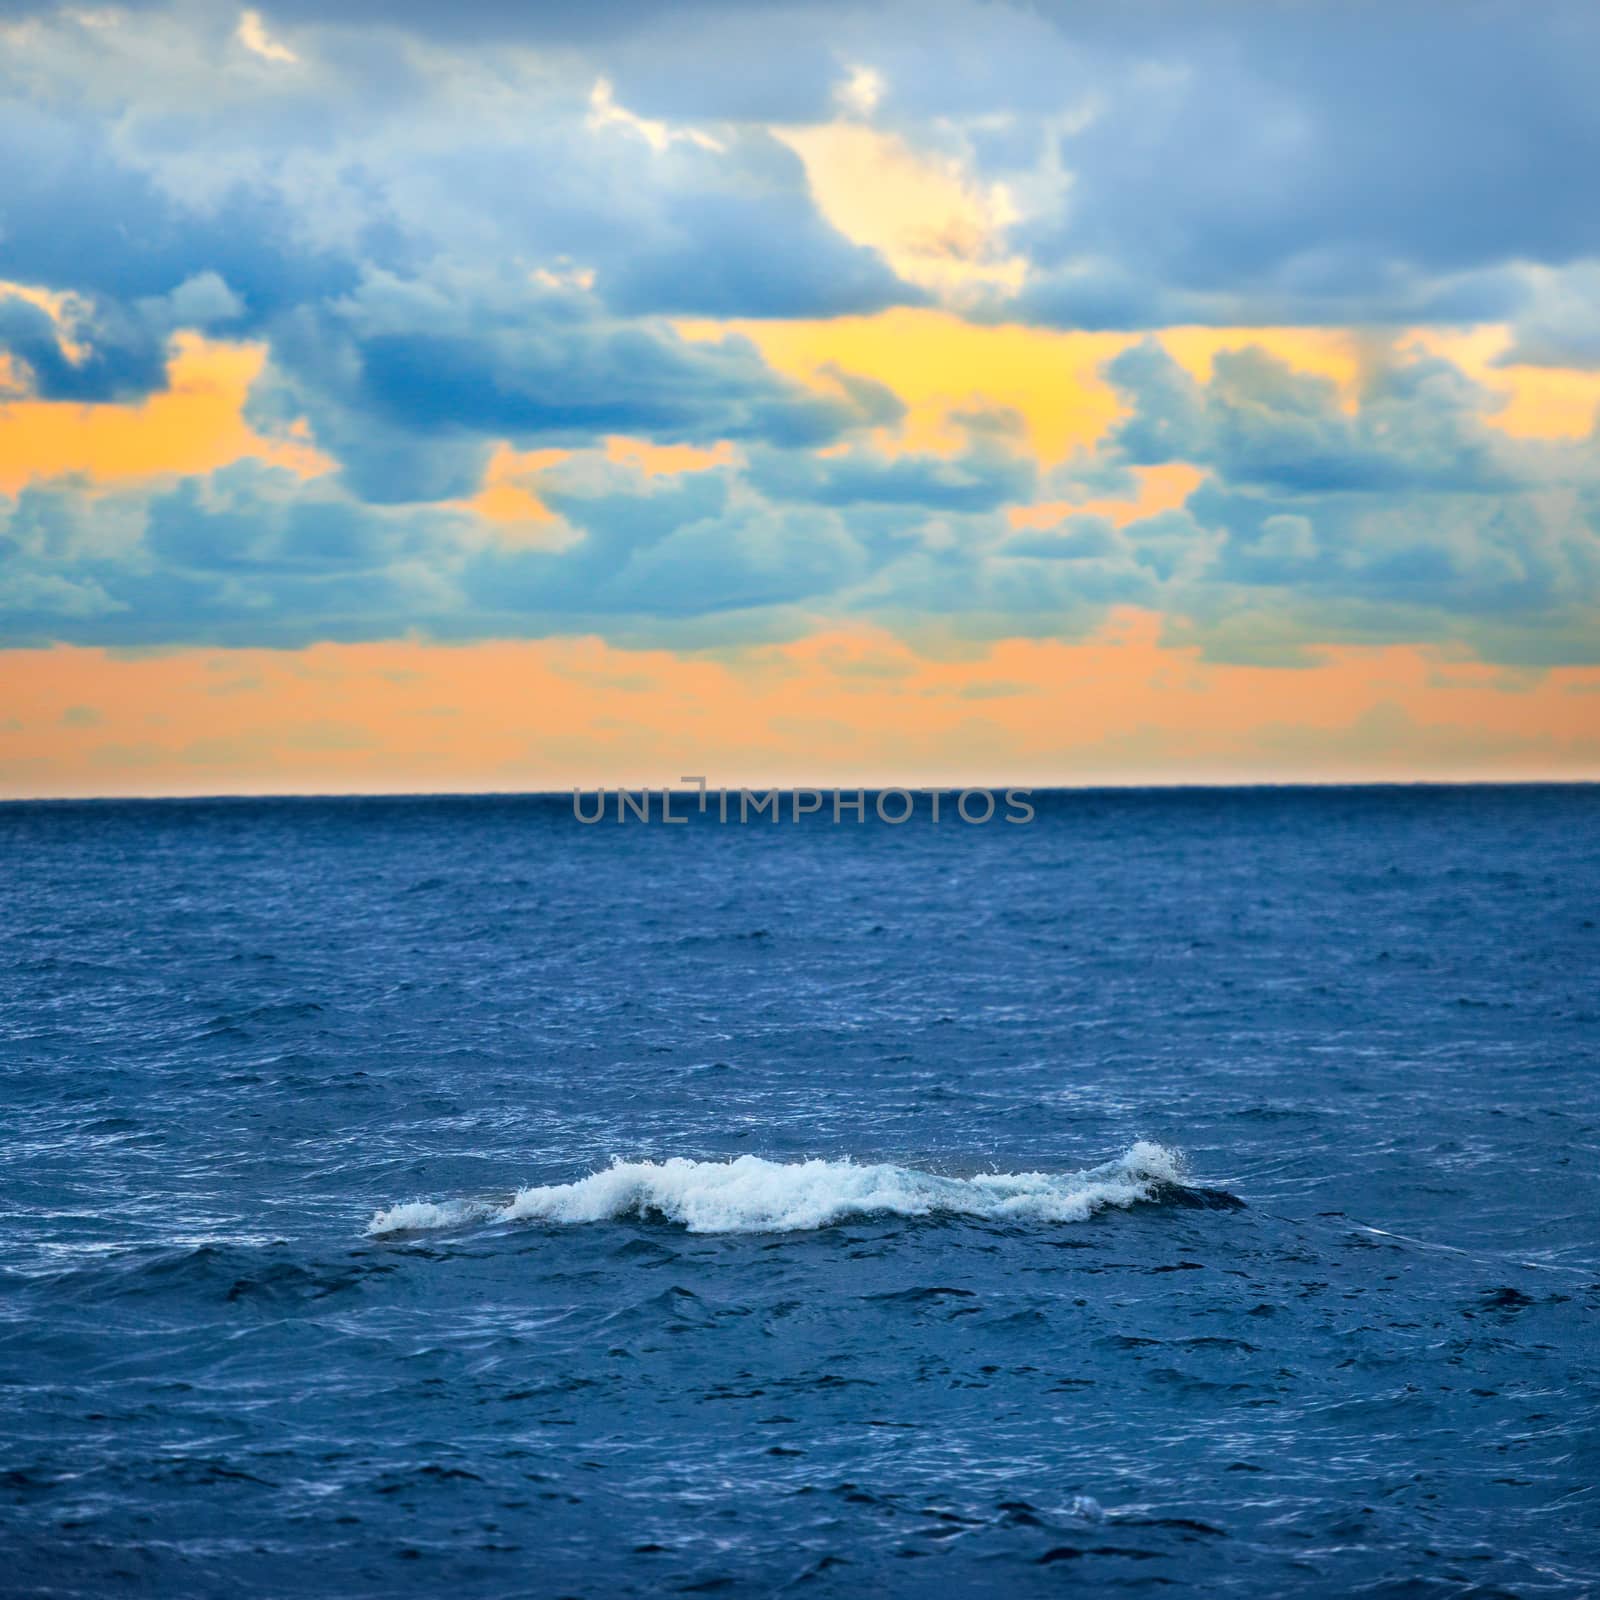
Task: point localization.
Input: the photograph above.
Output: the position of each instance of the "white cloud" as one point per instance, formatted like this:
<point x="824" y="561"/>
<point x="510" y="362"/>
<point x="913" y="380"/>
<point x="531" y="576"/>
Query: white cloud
<point x="862" y="91"/>
<point x="605" y="112"/>
<point x="253" y="35"/>
<point x="932" y="219"/>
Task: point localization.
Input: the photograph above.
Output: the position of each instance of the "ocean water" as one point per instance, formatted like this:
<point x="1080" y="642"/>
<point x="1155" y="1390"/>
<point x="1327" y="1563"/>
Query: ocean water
<point x="1191" y="1190"/>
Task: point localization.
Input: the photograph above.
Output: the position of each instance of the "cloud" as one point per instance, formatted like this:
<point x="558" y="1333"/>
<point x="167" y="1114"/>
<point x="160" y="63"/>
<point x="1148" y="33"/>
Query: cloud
<point x="82" y="215"/>
<point x="253" y="555"/>
<point x="73" y="348"/>
<point x="1326" y="157"/>
<point x="930" y="218"/>
<point x="982" y="479"/>
<point x="1076" y="539"/>
<point x="253" y="35"/>
<point x="1419" y="427"/>
<point x="248" y="552"/>
<point x="1132" y="168"/>
<point x="78" y="355"/>
<point x="1559" y="326"/>
<point x="1407" y="517"/>
<point x="409" y="383"/>
<point x="151" y="163"/>
<point x="456" y="236"/>
<point x="1397" y="515"/>
<point x="744" y="238"/>
<point x="1083" y="166"/>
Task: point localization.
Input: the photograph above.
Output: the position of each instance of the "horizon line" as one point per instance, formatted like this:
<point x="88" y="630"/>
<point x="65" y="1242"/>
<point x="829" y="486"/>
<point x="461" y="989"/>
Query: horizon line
<point x="1130" y="786"/>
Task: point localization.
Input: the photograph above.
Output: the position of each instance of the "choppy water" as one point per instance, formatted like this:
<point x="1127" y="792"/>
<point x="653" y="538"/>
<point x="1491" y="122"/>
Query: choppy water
<point x="316" y="1275"/>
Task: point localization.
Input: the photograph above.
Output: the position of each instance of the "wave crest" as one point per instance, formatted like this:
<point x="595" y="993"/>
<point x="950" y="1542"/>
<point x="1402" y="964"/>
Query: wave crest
<point x="754" y="1195"/>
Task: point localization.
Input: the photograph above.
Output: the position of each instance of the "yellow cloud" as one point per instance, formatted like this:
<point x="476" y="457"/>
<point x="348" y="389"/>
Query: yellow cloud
<point x="195" y="425"/>
<point x="508" y="500"/>
<point x="938" y="364"/>
<point x="1334" y="353"/>
<point x="1540" y="402"/>
<point x="667" y="460"/>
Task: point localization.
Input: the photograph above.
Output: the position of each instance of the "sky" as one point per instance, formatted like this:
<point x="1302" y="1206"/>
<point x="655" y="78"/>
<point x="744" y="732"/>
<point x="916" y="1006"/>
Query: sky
<point x="406" y="397"/>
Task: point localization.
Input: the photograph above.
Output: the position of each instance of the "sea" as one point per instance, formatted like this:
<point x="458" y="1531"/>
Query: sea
<point x="1186" y="1190"/>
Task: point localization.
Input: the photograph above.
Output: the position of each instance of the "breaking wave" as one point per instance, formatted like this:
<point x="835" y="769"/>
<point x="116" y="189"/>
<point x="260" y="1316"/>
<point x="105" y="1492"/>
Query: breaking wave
<point x="753" y="1195"/>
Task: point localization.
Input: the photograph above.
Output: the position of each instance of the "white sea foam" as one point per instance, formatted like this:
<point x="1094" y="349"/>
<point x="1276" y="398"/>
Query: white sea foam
<point x="752" y="1195"/>
<point x="415" y="1215"/>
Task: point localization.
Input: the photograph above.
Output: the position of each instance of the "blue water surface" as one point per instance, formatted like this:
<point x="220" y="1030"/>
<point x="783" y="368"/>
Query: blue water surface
<point x="232" y="1031"/>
